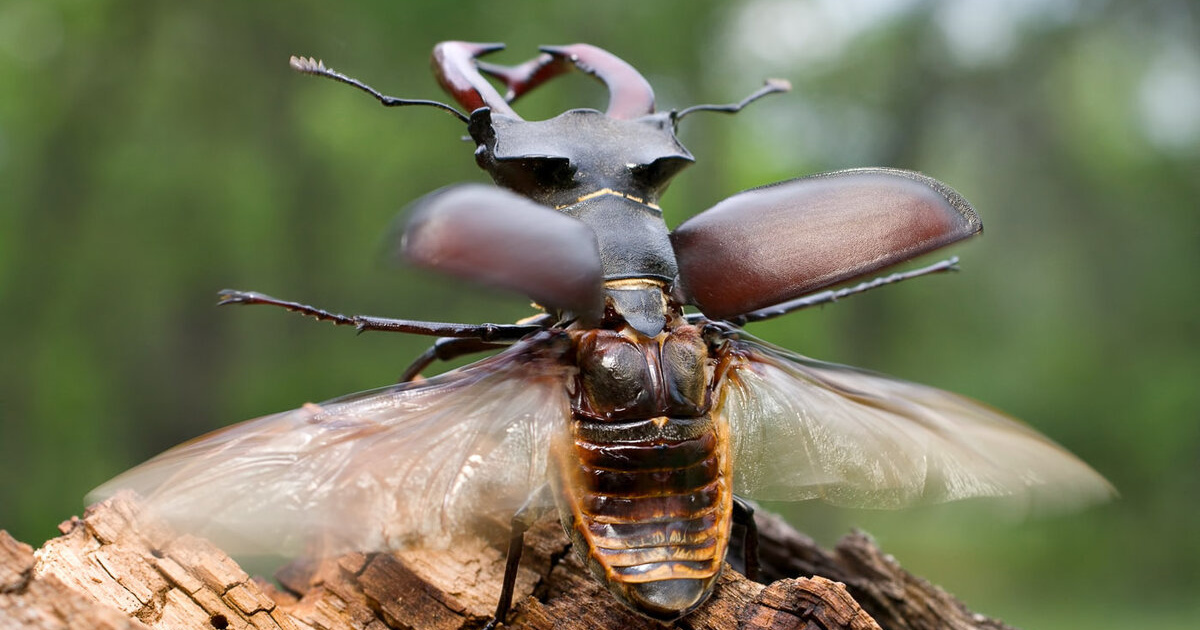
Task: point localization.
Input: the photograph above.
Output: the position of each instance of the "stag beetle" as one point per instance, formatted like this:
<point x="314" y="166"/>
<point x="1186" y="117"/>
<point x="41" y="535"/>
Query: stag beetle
<point x="642" y="424"/>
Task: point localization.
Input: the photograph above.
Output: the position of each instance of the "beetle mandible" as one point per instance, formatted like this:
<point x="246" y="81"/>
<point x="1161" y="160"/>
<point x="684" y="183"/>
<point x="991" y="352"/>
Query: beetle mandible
<point x="636" y="420"/>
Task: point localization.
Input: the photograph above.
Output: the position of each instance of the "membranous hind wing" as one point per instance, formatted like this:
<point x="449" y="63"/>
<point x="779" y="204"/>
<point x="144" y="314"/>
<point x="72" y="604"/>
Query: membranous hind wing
<point x="408" y="464"/>
<point x="804" y="429"/>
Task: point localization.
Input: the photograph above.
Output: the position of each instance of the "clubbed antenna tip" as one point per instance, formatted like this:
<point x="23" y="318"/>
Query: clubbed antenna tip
<point x="307" y="65"/>
<point x="776" y="85"/>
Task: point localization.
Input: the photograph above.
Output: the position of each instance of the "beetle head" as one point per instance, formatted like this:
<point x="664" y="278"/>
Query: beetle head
<point x="578" y="152"/>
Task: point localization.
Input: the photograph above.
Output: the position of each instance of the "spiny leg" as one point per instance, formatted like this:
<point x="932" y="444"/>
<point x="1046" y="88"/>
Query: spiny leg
<point x="498" y="333"/>
<point x="828" y="297"/>
<point x="450" y="348"/>
<point x="446" y="349"/>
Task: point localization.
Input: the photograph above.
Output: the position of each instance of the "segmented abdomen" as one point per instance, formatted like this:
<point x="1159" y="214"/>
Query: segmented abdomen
<point x="649" y="501"/>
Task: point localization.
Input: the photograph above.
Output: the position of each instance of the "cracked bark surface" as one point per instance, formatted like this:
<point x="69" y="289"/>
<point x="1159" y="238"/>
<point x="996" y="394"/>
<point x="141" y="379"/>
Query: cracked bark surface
<point x="105" y="573"/>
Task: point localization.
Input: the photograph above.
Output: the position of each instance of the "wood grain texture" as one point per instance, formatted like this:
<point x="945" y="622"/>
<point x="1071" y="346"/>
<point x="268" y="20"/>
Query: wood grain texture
<point x="104" y="572"/>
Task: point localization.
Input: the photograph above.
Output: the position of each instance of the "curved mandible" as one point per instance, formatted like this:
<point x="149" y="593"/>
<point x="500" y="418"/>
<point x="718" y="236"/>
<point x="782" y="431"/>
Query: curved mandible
<point x="630" y="95"/>
<point x="522" y="78"/>
<point x="454" y="66"/>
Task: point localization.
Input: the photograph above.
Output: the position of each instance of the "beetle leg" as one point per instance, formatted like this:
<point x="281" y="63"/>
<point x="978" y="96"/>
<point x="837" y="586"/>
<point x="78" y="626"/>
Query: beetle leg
<point x="484" y="332"/>
<point x="527" y="76"/>
<point x="826" y="297"/>
<point x="743" y="514"/>
<point x="450" y="348"/>
<point x="829" y="297"/>
<point x="770" y="87"/>
<point x="446" y="349"/>
<point x="533" y="509"/>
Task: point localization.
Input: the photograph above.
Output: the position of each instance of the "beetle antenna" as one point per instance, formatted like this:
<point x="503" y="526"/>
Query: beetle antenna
<point x="309" y="65"/>
<point x="770" y="87"/>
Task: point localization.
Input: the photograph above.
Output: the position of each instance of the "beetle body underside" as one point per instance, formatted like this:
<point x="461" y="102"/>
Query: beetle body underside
<point x="643" y="479"/>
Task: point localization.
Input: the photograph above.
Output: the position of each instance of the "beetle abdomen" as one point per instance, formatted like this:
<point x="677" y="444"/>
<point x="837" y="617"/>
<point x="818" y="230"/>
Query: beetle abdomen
<point x="647" y="504"/>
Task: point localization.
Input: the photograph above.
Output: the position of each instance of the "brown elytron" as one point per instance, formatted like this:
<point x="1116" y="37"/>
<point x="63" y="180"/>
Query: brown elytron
<point x="643" y="478"/>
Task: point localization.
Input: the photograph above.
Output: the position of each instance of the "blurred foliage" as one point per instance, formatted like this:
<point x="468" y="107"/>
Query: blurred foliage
<point x="152" y="153"/>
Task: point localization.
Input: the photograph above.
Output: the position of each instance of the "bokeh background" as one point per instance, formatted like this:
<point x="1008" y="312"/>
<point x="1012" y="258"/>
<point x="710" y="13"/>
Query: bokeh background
<point x="152" y="153"/>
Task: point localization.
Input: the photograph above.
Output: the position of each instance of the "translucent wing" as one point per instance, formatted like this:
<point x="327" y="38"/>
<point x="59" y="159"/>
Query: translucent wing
<point x="382" y="469"/>
<point x="803" y="429"/>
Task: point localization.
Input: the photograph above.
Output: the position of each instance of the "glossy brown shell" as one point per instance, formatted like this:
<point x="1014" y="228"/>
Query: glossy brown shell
<point x="768" y="245"/>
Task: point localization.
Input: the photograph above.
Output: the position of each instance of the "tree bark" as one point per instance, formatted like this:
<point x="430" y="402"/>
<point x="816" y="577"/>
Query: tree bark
<point x="104" y="572"/>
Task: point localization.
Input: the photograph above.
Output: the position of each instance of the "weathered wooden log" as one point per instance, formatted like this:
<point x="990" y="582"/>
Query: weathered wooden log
<point x="104" y="572"/>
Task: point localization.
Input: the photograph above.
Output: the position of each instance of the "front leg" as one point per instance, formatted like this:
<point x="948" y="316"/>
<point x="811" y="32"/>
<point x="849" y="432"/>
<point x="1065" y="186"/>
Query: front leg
<point x="446" y="349"/>
<point x="498" y="333"/>
<point x="450" y="348"/>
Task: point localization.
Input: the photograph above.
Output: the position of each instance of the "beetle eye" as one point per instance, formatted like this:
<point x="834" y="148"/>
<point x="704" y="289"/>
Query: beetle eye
<point x="552" y="172"/>
<point x="656" y="174"/>
<point x="533" y="176"/>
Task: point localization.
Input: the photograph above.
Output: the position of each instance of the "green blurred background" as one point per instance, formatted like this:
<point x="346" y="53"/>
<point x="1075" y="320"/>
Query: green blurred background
<point x="152" y="153"/>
